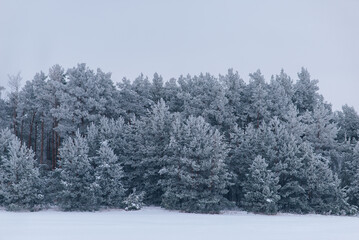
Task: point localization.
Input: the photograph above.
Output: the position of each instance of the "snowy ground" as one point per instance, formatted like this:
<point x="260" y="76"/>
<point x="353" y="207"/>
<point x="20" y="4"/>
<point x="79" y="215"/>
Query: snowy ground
<point x="159" y="224"/>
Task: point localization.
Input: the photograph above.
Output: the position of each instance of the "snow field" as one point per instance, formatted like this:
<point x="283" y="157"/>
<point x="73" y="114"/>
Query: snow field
<point x="158" y="224"/>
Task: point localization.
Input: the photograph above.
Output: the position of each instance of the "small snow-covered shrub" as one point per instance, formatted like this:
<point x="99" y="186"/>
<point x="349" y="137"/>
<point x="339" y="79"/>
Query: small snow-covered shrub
<point x="134" y="201"/>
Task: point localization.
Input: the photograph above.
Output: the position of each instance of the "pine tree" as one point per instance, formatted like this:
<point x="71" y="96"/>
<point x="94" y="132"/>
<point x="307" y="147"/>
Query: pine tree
<point x="325" y="194"/>
<point x="261" y="188"/>
<point x="234" y="88"/>
<point x="134" y="98"/>
<point x="244" y="146"/>
<point x="306" y="95"/>
<point x="195" y="174"/>
<point x="77" y="177"/>
<point x="257" y="99"/>
<point x="351" y="176"/>
<point x="20" y="183"/>
<point x="155" y="133"/>
<point x="280" y="97"/>
<point x="320" y="131"/>
<point x="348" y="124"/>
<point x="109" y="175"/>
<point x="157" y="88"/>
<point x="5" y="138"/>
<point x="292" y="179"/>
<point x="204" y="96"/>
<point x="171" y="96"/>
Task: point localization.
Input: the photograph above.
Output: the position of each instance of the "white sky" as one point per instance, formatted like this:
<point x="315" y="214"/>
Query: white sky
<point x="187" y="36"/>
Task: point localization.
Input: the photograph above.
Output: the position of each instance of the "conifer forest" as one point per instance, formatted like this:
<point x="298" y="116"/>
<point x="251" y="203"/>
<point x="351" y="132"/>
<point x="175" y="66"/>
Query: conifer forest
<point x="77" y="140"/>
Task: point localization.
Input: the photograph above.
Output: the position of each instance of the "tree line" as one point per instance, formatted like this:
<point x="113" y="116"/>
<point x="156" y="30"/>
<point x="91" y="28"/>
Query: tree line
<point x="202" y="143"/>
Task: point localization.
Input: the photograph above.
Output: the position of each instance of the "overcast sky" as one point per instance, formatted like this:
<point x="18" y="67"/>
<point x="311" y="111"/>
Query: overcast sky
<point x="180" y="37"/>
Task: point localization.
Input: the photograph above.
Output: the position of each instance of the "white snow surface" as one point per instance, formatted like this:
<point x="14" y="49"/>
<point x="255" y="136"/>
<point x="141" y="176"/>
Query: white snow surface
<point x="159" y="224"/>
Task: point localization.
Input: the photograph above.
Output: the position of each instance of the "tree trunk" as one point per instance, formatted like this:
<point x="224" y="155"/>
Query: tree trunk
<point x="35" y="143"/>
<point x="22" y="128"/>
<point x="53" y="147"/>
<point x="29" y="144"/>
<point x="42" y="141"/>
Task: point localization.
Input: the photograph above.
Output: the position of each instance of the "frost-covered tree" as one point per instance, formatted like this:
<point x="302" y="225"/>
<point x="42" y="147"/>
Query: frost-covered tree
<point x="20" y="183"/>
<point x="5" y="116"/>
<point x="79" y="189"/>
<point x="155" y="131"/>
<point x="195" y="174"/>
<point x="293" y="123"/>
<point x="353" y="190"/>
<point x="234" y="88"/>
<point x="14" y="84"/>
<point x="351" y="176"/>
<point x="157" y="88"/>
<point x="109" y="175"/>
<point x="348" y="124"/>
<point x="280" y="97"/>
<point x="134" y="98"/>
<point x="256" y="106"/>
<point x="321" y="131"/>
<point x="126" y="141"/>
<point x="5" y="138"/>
<point x="243" y="147"/>
<point x="325" y="194"/>
<point x="261" y="188"/>
<point x="270" y="141"/>
<point x="172" y="96"/>
<point x="306" y="94"/>
<point x="204" y="96"/>
<point x="292" y="179"/>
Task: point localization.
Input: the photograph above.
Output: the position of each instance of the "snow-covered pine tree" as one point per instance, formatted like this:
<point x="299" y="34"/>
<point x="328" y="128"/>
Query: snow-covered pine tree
<point x="306" y="95"/>
<point x="261" y="188"/>
<point x="5" y="138"/>
<point x="242" y="148"/>
<point x="320" y="130"/>
<point x="20" y="183"/>
<point x="204" y="96"/>
<point x="348" y="124"/>
<point x="292" y="179"/>
<point x="195" y="175"/>
<point x="325" y="194"/>
<point x="157" y="88"/>
<point x="155" y="133"/>
<point x="109" y="175"/>
<point x="79" y="190"/>
<point x="234" y="88"/>
<point x="134" y="98"/>
<point x="171" y="91"/>
<point x="350" y="174"/>
<point x="256" y="105"/>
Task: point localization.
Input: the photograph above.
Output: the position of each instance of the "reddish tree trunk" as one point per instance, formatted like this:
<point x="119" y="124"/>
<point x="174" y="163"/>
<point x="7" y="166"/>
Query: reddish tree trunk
<point x="35" y="143"/>
<point x="42" y="142"/>
<point x="21" y="130"/>
<point x="29" y="144"/>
